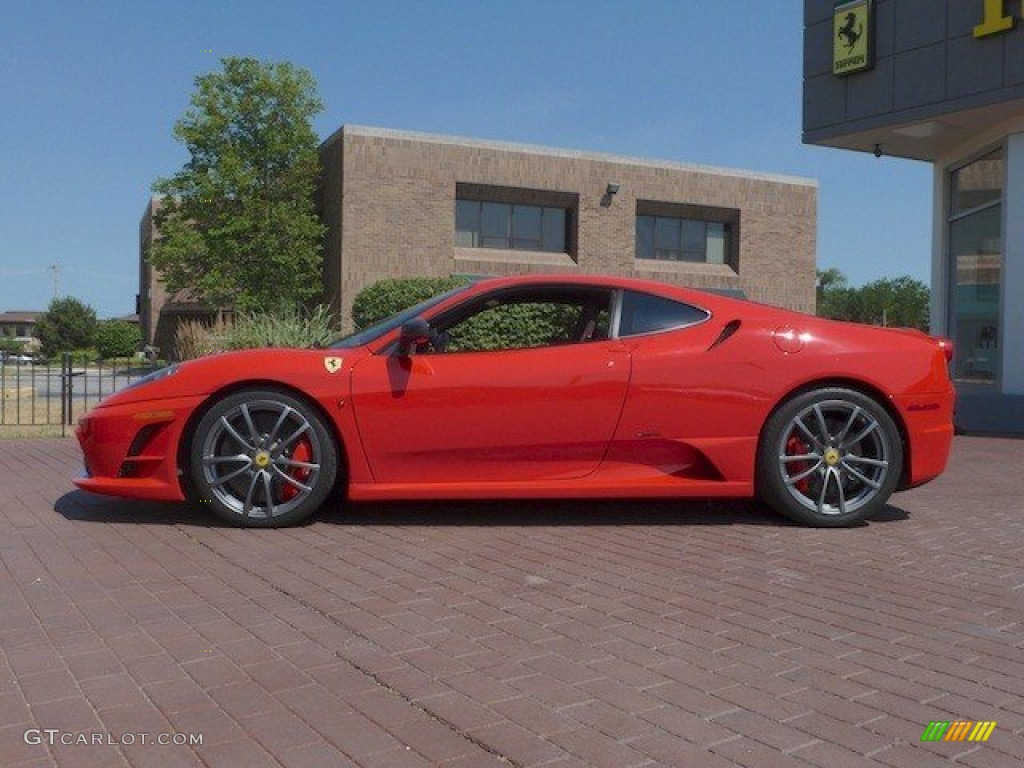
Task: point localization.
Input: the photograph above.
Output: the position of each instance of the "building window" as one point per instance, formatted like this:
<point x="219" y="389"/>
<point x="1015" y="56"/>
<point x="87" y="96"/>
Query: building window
<point x="514" y="219"/>
<point x="975" y="263"/>
<point x="511" y="227"/>
<point x="672" y="232"/>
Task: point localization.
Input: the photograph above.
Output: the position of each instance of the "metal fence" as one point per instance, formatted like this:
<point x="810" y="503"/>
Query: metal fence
<point x="55" y="395"/>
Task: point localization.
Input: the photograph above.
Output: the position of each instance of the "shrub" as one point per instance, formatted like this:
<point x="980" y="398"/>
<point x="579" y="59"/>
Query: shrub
<point x="117" y="338"/>
<point x="196" y="338"/>
<point x="288" y="328"/>
<point x="386" y="297"/>
<point x="84" y="356"/>
<point x="8" y="344"/>
<point x="514" y="326"/>
<point x="505" y="326"/>
<point x="253" y="330"/>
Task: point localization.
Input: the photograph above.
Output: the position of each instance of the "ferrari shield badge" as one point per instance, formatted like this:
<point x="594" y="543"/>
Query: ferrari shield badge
<point x="332" y="364"/>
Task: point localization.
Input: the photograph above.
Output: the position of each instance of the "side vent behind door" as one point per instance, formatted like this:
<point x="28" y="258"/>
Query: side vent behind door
<point x="728" y="330"/>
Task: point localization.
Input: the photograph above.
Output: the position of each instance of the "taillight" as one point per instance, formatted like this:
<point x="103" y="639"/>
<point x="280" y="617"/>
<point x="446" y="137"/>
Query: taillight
<point x="946" y="345"/>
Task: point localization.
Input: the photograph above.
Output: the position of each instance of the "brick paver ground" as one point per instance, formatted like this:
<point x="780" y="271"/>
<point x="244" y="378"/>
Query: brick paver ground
<point x="540" y="634"/>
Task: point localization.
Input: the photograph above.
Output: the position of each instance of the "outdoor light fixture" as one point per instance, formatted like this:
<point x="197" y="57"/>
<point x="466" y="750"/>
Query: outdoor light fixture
<point x="612" y="188"/>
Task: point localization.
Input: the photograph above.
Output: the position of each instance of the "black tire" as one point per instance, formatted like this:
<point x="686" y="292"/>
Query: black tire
<point x="829" y="458"/>
<point x="262" y="458"/>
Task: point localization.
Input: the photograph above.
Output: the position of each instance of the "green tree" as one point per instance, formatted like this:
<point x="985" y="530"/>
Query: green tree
<point x="237" y="224"/>
<point x="67" y="324"/>
<point x="8" y="344"/>
<point x="117" y="338"/>
<point x="900" y="301"/>
<point x="833" y="294"/>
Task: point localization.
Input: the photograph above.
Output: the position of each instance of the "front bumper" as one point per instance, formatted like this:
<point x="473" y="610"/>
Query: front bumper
<point x="131" y="450"/>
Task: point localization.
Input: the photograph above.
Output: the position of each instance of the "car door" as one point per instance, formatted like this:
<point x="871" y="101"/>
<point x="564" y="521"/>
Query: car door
<point x="499" y="415"/>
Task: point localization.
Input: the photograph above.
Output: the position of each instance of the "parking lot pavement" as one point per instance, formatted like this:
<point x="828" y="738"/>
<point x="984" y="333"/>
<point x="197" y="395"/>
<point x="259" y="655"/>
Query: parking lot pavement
<point x="533" y="634"/>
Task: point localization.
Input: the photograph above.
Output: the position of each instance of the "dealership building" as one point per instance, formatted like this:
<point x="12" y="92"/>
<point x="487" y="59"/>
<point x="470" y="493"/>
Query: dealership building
<point x="942" y="81"/>
<point x="402" y="204"/>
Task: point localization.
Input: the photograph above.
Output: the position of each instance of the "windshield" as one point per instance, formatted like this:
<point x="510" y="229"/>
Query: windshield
<point x="374" y="332"/>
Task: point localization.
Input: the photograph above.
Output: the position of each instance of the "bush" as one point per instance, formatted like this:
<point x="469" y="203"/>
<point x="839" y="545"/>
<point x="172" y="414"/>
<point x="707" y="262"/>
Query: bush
<point x="387" y="297"/>
<point x="117" y="338"/>
<point x="8" y="344"/>
<point x="84" y="356"/>
<point x="289" y="328"/>
<point x="514" y="326"/>
<point x="505" y="326"/>
<point x="67" y="324"/>
<point x="253" y="330"/>
<point x="197" y="338"/>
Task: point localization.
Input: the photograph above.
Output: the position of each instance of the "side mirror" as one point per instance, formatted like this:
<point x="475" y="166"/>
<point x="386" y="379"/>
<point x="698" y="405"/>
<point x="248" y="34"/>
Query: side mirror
<point x="414" y="332"/>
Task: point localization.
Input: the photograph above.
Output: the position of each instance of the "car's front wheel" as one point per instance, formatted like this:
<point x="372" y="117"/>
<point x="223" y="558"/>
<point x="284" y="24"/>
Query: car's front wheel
<point x="829" y="457"/>
<point x="262" y="458"/>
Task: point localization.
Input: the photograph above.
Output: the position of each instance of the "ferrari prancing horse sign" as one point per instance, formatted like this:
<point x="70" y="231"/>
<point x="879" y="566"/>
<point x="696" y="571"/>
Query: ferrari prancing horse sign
<point x="851" y="37"/>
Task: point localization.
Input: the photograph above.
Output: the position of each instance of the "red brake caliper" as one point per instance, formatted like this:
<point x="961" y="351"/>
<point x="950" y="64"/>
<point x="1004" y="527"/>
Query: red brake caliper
<point x="302" y="452"/>
<point x="797" y="447"/>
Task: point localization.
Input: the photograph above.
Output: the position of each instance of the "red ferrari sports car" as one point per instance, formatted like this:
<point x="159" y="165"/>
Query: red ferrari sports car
<point x="542" y="387"/>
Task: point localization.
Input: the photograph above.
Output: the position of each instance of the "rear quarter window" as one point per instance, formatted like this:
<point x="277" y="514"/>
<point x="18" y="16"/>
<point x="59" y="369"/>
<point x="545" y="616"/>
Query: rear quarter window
<point x="645" y="313"/>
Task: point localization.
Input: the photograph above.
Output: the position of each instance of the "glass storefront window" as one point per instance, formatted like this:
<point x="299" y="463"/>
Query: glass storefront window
<point x="977" y="185"/>
<point x="975" y="260"/>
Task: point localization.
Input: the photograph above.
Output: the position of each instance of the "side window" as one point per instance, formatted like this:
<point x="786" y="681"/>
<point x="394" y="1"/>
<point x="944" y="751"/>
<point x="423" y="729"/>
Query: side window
<point x="525" y="320"/>
<point x="644" y="313"/>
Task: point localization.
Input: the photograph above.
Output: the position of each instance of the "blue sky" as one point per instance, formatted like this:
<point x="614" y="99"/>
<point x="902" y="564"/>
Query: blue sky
<point x="90" y="92"/>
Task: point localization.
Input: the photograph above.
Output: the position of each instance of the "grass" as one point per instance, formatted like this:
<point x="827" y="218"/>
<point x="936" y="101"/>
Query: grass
<point x="14" y="431"/>
<point x="35" y="416"/>
<point x="26" y="413"/>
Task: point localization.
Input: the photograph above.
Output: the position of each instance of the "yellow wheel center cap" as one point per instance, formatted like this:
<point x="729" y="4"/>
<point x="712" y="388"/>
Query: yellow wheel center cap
<point x="831" y="457"/>
<point x="261" y="459"/>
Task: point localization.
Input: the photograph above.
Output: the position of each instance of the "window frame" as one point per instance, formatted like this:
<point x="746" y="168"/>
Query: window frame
<point x="565" y="204"/>
<point x="464" y="310"/>
<point x="620" y="300"/>
<point x="616" y="297"/>
<point x="681" y="213"/>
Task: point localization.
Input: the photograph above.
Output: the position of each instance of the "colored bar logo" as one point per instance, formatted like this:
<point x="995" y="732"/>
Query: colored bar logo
<point x="958" y="730"/>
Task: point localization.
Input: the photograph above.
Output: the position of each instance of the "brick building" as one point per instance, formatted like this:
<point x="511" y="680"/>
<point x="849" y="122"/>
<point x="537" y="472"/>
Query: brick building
<point x="399" y="204"/>
<point x="158" y="310"/>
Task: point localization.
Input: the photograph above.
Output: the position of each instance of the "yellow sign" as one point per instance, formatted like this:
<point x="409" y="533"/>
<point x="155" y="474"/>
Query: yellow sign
<point x="996" y="20"/>
<point x="851" y="37"/>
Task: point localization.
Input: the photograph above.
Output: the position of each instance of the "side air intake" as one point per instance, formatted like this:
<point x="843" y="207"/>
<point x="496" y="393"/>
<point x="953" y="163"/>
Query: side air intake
<point x="730" y="328"/>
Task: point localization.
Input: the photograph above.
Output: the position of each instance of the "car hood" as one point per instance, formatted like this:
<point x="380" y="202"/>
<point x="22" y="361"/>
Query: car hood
<point x="301" y="368"/>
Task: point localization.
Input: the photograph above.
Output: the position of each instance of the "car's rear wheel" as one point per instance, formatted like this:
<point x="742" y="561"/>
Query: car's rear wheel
<point x="262" y="458"/>
<point x="829" y="457"/>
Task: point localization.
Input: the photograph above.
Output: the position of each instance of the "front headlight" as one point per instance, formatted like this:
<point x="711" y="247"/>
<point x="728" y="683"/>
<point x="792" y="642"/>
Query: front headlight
<point x="149" y="378"/>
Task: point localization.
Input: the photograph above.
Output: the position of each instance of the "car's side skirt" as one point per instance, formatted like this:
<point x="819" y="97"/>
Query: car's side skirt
<point x="666" y="487"/>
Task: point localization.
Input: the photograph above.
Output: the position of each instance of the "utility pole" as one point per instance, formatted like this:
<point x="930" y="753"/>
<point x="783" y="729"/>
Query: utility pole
<point x="55" y="270"/>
